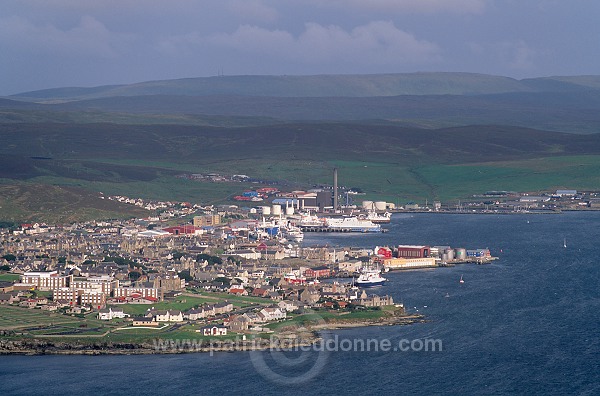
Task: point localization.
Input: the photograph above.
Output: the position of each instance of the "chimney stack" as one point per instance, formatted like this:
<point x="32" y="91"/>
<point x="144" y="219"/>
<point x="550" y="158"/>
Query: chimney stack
<point x="335" y="190"/>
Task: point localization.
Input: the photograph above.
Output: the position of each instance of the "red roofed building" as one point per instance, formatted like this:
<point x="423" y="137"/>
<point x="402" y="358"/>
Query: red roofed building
<point x="238" y="290"/>
<point x="259" y="292"/>
<point x="384" y="252"/>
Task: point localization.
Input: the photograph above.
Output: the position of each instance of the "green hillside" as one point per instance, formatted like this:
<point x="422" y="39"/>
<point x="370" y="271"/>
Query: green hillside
<point x="387" y="162"/>
<point x="22" y="202"/>
<point x="325" y="86"/>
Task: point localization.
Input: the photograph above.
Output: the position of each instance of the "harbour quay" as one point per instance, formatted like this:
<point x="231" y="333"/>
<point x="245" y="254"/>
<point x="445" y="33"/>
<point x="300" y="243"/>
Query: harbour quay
<point x="423" y="256"/>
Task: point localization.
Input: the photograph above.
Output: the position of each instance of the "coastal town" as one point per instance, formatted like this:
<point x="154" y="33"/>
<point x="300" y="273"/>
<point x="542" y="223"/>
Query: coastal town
<point x="214" y="271"/>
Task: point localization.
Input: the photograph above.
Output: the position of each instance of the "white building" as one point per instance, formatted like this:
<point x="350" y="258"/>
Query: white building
<point x="111" y="313"/>
<point x="49" y="280"/>
<point x="269" y="314"/>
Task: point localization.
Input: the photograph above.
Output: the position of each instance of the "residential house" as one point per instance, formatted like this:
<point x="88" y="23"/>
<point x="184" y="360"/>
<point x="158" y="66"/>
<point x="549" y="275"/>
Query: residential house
<point x="287" y="305"/>
<point x="51" y="306"/>
<point x="146" y="322"/>
<point x="239" y="323"/>
<point x="213" y="330"/>
<point x="195" y="314"/>
<point x="6" y="287"/>
<point x="28" y="303"/>
<point x="260" y="292"/>
<point x="249" y="254"/>
<point x="222" y="307"/>
<point x="310" y="295"/>
<point x="374" y="300"/>
<point x="111" y="313"/>
<point x="275" y="296"/>
<point x="350" y="266"/>
<point x="273" y="254"/>
<point x="272" y="313"/>
<point x="7" y="298"/>
<point x="166" y="315"/>
<point x="238" y="290"/>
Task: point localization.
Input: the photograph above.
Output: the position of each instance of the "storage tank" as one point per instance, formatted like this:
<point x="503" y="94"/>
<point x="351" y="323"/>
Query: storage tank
<point x="449" y="253"/>
<point x="289" y="210"/>
<point x="461" y="253"/>
<point x="276" y="210"/>
<point x="368" y="205"/>
<point x="266" y="210"/>
<point x="380" y="205"/>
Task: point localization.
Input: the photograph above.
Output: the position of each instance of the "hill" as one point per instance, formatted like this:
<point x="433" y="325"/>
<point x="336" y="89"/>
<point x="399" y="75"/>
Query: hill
<point x="426" y="100"/>
<point x="575" y="112"/>
<point x="387" y="162"/>
<point x="23" y="202"/>
<point x="326" y="86"/>
<point x="396" y="136"/>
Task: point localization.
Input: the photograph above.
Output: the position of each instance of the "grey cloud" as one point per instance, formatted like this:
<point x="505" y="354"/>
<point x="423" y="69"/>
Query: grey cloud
<point x="89" y="37"/>
<point x="411" y="6"/>
<point x="378" y="42"/>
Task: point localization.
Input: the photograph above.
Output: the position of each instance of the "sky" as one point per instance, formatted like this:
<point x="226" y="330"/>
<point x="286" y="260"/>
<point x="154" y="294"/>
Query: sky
<point x="86" y="43"/>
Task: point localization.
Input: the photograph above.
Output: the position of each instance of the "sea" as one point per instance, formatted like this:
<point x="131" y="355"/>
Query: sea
<point x="526" y="324"/>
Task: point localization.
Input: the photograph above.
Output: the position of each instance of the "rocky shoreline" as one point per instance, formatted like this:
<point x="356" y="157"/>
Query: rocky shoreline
<point x="290" y="337"/>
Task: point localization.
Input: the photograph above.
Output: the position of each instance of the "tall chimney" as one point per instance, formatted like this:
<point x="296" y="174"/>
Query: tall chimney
<point x="335" y="190"/>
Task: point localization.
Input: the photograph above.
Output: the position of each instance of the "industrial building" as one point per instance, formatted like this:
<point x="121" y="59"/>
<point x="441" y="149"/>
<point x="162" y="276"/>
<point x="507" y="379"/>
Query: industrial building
<point x="412" y="251"/>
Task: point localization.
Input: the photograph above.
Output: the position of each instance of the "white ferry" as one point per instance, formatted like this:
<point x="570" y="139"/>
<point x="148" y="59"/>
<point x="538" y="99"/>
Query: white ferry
<point x="351" y="224"/>
<point x="370" y="277"/>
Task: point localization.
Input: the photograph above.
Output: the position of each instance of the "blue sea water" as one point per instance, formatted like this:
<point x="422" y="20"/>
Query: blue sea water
<point x="525" y="324"/>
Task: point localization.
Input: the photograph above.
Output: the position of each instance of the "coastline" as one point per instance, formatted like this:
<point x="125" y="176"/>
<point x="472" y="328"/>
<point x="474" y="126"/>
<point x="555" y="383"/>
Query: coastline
<point x="303" y="336"/>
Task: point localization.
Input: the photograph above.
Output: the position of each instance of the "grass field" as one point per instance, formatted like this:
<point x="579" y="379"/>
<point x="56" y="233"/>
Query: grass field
<point x="182" y="303"/>
<point x="8" y="277"/>
<point x="19" y="318"/>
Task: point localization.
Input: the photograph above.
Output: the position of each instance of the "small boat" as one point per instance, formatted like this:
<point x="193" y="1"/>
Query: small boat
<point x="461" y="280"/>
<point x="447" y="295"/>
<point x="565" y="243"/>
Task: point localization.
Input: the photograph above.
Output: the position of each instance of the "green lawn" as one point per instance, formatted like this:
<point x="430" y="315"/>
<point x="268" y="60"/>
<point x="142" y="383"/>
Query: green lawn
<point x="182" y="303"/>
<point x="17" y="317"/>
<point x="5" y="276"/>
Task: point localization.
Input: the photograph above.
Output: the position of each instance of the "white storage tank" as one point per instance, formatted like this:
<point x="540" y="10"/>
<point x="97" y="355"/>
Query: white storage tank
<point x="276" y="210"/>
<point x="266" y="210"/>
<point x="461" y="253"/>
<point x="368" y="205"/>
<point x="450" y="254"/>
<point x="380" y="205"/>
<point x="289" y="210"/>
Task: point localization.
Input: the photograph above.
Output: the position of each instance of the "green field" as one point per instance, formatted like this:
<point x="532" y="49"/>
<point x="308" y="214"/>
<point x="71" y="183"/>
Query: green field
<point x="18" y="318"/>
<point x="182" y="303"/>
<point x="8" y="277"/>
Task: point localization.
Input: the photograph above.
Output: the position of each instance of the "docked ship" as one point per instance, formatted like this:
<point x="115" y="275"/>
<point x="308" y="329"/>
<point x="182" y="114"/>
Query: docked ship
<point x="351" y="224"/>
<point x="294" y="234"/>
<point x="379" y="218"/>
<point x="370" y="277"/>
<point x="310" y="220"/>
